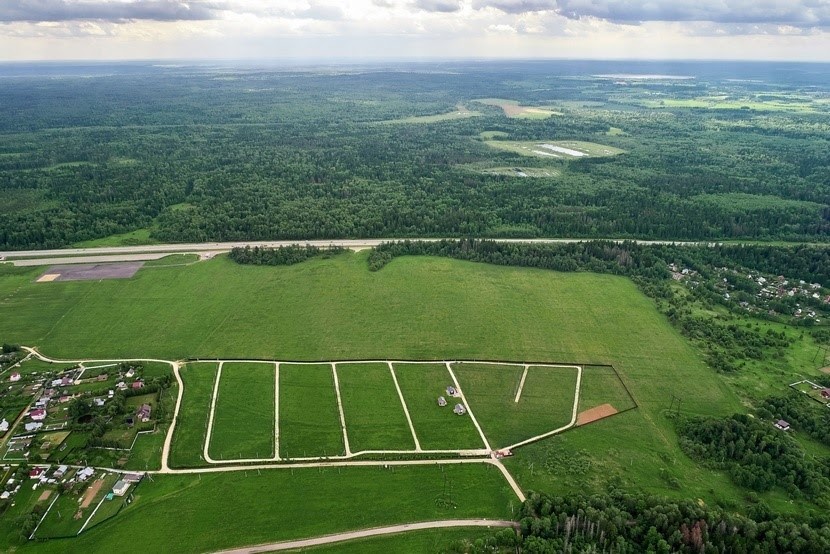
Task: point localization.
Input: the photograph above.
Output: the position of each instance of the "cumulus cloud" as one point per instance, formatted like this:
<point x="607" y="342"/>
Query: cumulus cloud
<point x="441" y="6"/>
<point x="803" y="13"/>
<point x="516" y="6"/>
<point x="107" y="10"/>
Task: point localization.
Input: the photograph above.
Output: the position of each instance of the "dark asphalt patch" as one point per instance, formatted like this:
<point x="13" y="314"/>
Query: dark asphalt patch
<point x="90" y="272"/>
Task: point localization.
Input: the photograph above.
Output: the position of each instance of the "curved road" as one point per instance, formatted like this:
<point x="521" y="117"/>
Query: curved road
<point x="363" y="533"/>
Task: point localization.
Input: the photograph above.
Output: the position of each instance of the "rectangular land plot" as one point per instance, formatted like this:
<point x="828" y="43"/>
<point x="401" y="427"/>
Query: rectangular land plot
<point x="245" y="413"/>
<point x="545" y="403"/>
<point x="309" y="419"/>
<point x="437" y="427"/>
<point x="602" y="394"/>
<point x="191" y="422"/>
<point x="374" y="416"/>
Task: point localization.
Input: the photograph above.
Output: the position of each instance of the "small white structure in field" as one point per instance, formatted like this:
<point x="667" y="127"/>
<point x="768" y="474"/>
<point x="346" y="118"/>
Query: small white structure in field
<point x="459" y="409"/>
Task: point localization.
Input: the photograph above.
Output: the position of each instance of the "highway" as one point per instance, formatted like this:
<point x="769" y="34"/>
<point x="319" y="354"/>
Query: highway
<point x="208" y="249"/>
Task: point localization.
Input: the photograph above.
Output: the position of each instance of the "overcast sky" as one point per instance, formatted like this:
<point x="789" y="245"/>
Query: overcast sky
<point x="415" y="29"/>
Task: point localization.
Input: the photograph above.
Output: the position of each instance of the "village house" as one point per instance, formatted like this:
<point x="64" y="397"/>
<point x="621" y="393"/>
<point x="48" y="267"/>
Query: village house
<point x="30" y="427"/>
<point x="442" y="401"/>
<point x="459" y="409"/>
<point x="4" y="426"/>
<point x="825" y="393"/>
<point x="85" y="473"/>
<point x="38" y="414"/>
<point x="132" y="477"/>
<point x="783" y="425"/>
<point x="143" y="413"/>
<point x="452" y="391"/>
<point x="14" y="377"/>
<point x="138" y="385"/>
<point x="102" y="377"/>
<point x="120" y="488"/>
<point x="36" y="472"/>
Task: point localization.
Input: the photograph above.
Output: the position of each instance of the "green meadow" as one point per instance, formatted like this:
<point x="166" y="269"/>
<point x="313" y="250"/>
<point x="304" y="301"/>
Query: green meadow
<point x="245" y="413"/>
<point x="191" y="423"/>
<point x="374" y="417"/>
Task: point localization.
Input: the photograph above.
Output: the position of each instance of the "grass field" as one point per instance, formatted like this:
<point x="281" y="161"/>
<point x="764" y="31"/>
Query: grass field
<point x="191" y="424"/>
<point x="414" y="308"/>
<point x="374" y="416"/>
<point x="601" y="385"/>
<point x="309" y="420"/>
<point x="245" y="415"/>
<point x="177" y="514"/>
<point x="437" y="428"/>
<point x="512" y="108"/>
<point x="554" y="149"/>
<point x="546" y="402"/>
<point x="459" y="113"/>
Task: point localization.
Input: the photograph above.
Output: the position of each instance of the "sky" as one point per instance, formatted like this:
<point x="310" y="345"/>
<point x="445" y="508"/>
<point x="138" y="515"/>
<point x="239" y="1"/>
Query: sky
<point x="414" y="29"/>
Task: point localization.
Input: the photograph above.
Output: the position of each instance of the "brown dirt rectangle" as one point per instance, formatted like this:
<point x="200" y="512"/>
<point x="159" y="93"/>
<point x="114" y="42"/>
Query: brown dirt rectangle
<point x="90" y="493"/>
<point x="599" y="412"/>
<point x="44" y="495"/>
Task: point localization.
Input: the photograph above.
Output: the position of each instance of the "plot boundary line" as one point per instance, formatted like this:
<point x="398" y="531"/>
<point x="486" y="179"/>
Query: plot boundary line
<point x="276" y="411"/>
<point x="467" y="406"/>
<point x="340" y="409"/>
<point x="208" y="459"/>
<point x="521" y="385"/>
<point x="405" y="408"/>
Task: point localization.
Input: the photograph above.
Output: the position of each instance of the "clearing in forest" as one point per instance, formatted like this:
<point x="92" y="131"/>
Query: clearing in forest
<point x="558" y="149"/>
<point x="512" y="108"/>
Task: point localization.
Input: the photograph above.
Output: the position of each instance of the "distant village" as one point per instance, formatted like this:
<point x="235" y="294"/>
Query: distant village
<point x="771" y="296"/>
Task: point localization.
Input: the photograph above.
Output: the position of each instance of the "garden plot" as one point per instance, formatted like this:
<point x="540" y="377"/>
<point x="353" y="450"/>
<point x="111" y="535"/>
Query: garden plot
<point x="372" y="410"/>
<point x="514" y="403"/>
<point x="436" y="427"/>
<point x="244" y="412"/>
<point x="309" y="420"/>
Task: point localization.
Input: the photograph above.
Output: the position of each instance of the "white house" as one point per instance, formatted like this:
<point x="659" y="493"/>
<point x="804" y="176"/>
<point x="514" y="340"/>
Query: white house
<point x="120" y="488"/>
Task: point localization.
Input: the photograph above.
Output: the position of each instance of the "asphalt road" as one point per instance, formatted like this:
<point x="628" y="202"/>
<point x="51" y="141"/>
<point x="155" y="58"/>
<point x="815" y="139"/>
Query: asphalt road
<point x="153" y="252"/>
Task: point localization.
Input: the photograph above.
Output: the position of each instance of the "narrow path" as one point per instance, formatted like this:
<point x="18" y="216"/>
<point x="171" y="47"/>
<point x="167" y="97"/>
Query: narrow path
<point x="340" y="409"/>
<point x="364" y="533"/>
<point x="521" y="385"/>
<point x="405" y="409"/>
<point x="467" y="406"/>
<point x="276" y="411"/>
<point x="512" y="482"/>
<point x="564" y="427"/>
<point x="206" y="454"/>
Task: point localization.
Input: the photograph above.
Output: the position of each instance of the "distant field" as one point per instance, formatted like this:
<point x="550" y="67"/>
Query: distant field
<point x="459" y="113"/>
<point x="513" y="109"/>
<point x="545" y="404"/>
<point x="374" y="416"/>
<point x="244" y="418"/>
<point x="515" y="171"/>
<point x="730" y="103"/>
<point x="309" y="420"/>
<point x="558" y="149"/>
<point x="437" y="427"/>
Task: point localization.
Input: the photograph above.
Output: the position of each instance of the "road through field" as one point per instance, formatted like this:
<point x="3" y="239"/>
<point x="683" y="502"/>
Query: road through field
<point x="364" y="533"/>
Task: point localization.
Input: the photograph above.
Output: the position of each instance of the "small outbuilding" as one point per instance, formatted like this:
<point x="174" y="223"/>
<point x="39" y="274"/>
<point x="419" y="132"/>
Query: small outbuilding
<point x="459" y="409"/>
<point x="825" y="393"/>
<point x="14" y="377"/>
<point x="143" y="413"/>
<point x="442" y="401"/>
<point x="783" y="425"/>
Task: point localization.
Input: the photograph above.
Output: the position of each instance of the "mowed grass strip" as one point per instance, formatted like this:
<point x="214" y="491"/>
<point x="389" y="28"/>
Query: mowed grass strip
<point x="374" y="416"/>
<point x="191" y="423"/>
<point x="438" y="428"/>
<point x="545" y="404"/>
<point x="244" y="418"/>
<point x="309" y="421"/>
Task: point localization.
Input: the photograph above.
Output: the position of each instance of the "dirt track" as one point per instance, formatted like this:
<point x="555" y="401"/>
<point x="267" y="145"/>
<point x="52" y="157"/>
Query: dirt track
<point x="90" y="493"/>
<point x="599" y="412"/>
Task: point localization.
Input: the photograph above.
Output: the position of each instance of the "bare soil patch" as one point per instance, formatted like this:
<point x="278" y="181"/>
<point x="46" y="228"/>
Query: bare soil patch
<point x="44" y="495"/>
<point x="600" y="412"/>
<point x="90" y="493"/>
<point x="825" y="369"/>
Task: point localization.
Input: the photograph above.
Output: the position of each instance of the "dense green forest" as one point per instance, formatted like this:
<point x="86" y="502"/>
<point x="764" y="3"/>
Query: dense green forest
<point x="221" y="153"/>
<point x="622" y="523"/>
